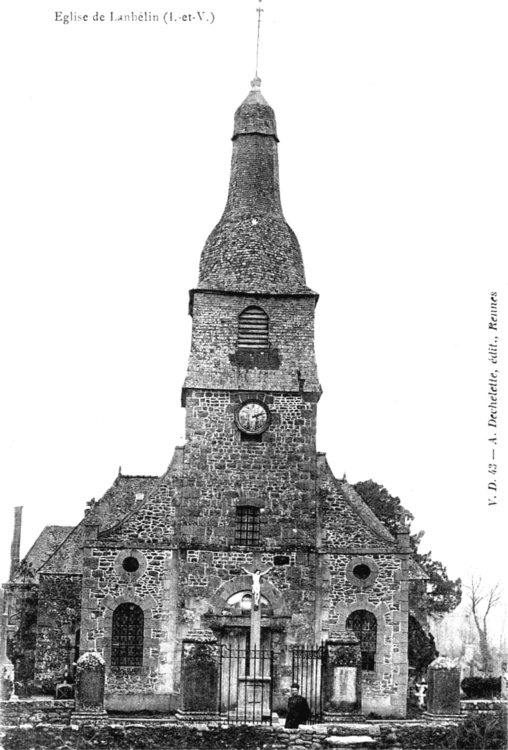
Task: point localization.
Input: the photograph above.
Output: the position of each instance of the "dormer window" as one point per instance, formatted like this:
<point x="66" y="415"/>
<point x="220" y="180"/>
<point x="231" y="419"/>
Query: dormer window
<point x="253" y="329"/>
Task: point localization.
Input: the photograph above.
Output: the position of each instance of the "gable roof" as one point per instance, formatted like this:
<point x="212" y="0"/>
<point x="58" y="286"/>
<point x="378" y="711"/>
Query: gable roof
<point x="122" y="497"/>
<point x="153" y="519"/>
<point x="348" y="520"/>
<point x="50" y="538"/>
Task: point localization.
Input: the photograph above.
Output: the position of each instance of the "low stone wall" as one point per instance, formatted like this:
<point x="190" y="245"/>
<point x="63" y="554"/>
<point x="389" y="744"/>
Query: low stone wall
<point x="14" y="713"/>
<point x="481" y="706"/>
<point x="419" y="735"/>
<point x="160" y="736"/>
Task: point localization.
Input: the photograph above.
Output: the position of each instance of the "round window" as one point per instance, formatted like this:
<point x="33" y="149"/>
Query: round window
<point x="361" y="571"/>
<point x="130" y="564"/>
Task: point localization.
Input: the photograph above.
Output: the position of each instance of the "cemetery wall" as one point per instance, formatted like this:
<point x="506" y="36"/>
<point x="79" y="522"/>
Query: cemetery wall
<point x="34" y="712"/>
<point x="404" y="735"/>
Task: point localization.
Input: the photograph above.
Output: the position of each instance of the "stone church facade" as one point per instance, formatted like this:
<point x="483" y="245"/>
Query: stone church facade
<point x="157" y="557"/>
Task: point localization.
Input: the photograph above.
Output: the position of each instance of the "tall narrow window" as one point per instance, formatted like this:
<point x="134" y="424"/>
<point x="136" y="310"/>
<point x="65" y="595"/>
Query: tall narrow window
<point x="253" y="329"/>
<point x="77" y="638"/>
<point x="127" y="636"/>
<point x="364" y="626"/>
<point x="247" y="525"/>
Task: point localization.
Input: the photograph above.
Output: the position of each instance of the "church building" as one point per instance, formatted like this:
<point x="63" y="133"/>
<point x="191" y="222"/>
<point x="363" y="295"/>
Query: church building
<point x="246" y="500"/>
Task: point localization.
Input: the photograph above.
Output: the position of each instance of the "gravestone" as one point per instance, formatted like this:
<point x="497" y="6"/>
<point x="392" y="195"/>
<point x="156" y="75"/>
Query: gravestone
<point x="504" y="681"/>
<point x="90" y="681"/>
<point x="343" y="677"/>
<point x="200" y="676"/>
<point x="443" y="693"/>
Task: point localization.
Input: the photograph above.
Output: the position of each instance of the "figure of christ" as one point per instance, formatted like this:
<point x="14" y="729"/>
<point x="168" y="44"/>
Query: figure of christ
<point x="256" y="584"/>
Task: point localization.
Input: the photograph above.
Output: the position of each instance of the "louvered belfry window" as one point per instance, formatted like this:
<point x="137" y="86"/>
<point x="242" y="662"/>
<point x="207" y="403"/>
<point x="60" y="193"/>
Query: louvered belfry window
<point x="364" y="626"/>
<point x="127" y="636"/>
<point x="247" y="525"/>
<point x="253" y="329"/>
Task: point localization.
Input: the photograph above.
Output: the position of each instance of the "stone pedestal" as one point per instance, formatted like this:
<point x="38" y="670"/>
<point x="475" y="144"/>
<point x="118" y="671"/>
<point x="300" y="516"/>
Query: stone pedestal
<point x="254" y="698"/>
<point x="6" y="666"/>
<point x="343" y="677"/>
<point x="200" y="677"/>
<point x="90" y="681"/>
<point x="443" y="693"/>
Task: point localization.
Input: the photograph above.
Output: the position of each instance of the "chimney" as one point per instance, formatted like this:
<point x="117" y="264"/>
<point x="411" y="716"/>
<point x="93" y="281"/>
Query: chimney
<point x="16" y="541"/>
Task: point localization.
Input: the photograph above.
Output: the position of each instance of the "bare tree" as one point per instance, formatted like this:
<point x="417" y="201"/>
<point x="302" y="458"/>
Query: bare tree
<point x="483" y="600"/>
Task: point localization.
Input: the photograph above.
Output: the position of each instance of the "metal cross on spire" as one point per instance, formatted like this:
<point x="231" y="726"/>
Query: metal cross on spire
<point x="258" y="11"/>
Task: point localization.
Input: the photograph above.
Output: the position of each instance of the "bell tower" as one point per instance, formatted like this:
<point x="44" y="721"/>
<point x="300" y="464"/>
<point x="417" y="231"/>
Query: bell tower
<point x="252" y="387"/>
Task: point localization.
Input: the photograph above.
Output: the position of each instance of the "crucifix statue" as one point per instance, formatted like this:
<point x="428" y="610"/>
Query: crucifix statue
<point x="255" y="611"/>
<point x="256" y="584"/>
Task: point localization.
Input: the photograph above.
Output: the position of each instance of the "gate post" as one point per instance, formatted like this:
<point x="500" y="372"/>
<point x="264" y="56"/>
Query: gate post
<point x="200" y="677"/>
<point x="90" y="682"/>
<point x="343" y="676"/>
<point x="443" y="692"/>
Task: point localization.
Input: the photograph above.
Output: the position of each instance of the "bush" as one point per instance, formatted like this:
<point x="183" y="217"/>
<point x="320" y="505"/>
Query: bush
<point x="483" y="731"/>
<point x="481" y="687"/>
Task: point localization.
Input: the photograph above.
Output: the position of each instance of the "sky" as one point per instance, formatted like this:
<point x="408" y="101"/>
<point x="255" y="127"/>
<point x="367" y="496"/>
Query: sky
<point x="392" y="119"/>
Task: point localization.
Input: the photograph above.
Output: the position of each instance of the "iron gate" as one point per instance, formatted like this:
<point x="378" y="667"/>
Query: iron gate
<point x="246" y="685"/>
<point x="308" y="670"/>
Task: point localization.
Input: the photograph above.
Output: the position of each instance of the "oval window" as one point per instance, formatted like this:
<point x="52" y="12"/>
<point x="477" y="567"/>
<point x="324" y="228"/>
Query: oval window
<point x="361" y="571"/>
<point x="130" y="564"/>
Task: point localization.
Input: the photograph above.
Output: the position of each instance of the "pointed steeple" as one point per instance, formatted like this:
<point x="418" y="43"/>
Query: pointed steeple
<point x="252" y="248"/>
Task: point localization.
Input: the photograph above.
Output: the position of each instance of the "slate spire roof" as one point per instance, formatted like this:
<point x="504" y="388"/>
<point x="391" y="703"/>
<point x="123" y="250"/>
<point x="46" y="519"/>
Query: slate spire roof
<point x="253" y="248"/>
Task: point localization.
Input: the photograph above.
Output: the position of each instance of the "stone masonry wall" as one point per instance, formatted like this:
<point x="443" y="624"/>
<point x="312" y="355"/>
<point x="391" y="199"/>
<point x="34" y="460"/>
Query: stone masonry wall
<point x="106" y="585"/>
<point x="154" y="521"/>
<point x="58" y="618"/>
<point x="422" y="735"/>
<point x="383" y="594"/>
<point x="208" y="578"/>
<point x="14" y="713"/>
<point x="222" y="470"/>
<point x="212" y="361"/>
<point x="347" y="521"/>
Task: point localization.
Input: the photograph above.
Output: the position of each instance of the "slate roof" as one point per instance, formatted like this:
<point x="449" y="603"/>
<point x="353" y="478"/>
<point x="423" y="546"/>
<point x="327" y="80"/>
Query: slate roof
<point x="253" y="249"/>
<point x="152" y="520"/>
<point x="365" y="513"/>
<point x="50" y="538"/>
<point x="348" y="520"/>
<point x="117" y="502"/>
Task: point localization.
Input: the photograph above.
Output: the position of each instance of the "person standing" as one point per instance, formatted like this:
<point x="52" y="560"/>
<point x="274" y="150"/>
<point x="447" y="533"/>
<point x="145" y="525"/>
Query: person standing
<point x="298" y="708"/>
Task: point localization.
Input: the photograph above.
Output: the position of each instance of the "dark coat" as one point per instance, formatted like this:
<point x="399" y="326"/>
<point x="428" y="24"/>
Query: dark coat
<point x="298" y="712"/>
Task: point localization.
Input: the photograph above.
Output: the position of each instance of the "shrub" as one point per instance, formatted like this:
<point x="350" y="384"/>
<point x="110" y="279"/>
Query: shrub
<point x="483" y="731"/>
<point x="481" y="687"/>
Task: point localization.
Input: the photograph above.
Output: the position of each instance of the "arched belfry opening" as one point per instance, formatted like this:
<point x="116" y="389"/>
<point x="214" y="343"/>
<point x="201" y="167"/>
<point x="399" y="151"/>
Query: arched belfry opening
<point x="253" y="325"/>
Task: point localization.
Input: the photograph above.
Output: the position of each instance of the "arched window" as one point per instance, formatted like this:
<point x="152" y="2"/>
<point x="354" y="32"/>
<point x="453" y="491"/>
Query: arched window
<point x="253" y="329"/>
<point x="364" y="626"/>
<point x="127" y="636"/>
<point x="247" y="525"/>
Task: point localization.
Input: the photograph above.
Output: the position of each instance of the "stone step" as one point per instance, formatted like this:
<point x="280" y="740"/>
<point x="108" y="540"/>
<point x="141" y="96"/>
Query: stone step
<point x="360" y="729"/>
<point x="351" y="741"/>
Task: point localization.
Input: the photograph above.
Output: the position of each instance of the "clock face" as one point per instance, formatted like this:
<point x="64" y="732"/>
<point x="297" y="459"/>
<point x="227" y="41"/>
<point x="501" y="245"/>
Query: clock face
<point x="252" y="417"/>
